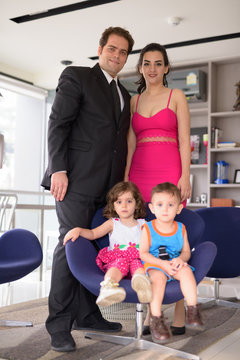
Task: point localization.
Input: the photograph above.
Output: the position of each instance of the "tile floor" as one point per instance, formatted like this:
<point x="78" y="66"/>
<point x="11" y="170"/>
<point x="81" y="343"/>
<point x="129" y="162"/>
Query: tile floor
<point x="30" y="288"/>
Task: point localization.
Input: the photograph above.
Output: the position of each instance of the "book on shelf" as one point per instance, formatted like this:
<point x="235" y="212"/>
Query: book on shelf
<point x="216" y="135"/>
<point x="198" y="154"/>
<point x="228" y="144"/>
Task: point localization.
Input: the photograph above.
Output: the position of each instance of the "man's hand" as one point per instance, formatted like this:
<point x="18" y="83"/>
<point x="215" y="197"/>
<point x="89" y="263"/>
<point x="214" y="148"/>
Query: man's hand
<point x="59" y="184"/>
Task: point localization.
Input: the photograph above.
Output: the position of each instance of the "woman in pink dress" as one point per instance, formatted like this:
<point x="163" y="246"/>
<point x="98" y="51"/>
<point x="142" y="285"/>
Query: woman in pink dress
<point x="159" y="137"/>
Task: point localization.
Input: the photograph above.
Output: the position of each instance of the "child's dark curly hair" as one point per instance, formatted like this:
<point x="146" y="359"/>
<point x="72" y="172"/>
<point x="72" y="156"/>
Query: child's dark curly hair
<point x="116" y="191"/>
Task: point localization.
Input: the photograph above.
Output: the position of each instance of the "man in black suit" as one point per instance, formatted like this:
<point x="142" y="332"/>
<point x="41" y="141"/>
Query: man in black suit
<point x="87" y="149"/>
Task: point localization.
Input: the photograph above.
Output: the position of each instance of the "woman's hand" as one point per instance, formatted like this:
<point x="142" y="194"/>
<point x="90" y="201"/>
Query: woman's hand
<point x="184" y="187"/>
<point x="72" y="235"/>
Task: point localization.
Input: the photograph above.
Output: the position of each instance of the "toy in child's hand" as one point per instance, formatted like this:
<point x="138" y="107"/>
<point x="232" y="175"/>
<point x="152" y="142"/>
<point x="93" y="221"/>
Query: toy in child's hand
<point x="163" y="255"/>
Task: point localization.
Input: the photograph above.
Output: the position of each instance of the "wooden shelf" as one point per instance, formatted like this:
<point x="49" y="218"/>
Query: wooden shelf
<point x="197" y="205"/>
<point x="198" y="111"/>
<point x="226" y="149"/>
<point x="198" y="166"/>
<point x="225" y="186"/>
<point x="226" y="114"/>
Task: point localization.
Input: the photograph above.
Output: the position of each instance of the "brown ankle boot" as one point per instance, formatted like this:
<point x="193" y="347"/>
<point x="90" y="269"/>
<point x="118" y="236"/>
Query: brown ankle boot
<point x="194" y="317"/>
<point x="159" y="329"/>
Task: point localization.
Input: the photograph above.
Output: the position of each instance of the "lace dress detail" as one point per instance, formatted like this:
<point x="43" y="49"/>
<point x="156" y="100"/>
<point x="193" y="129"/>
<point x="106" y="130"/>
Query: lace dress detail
<point x="156" y="139"/>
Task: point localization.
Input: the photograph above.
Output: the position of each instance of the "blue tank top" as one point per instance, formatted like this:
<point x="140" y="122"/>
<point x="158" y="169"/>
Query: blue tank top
<point x="173" y="241"/>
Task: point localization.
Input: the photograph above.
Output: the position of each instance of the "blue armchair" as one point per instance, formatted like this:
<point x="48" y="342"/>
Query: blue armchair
<point x="20" y="254"/>
<point x="81" y="256"/>
<point x="222" y="227"/>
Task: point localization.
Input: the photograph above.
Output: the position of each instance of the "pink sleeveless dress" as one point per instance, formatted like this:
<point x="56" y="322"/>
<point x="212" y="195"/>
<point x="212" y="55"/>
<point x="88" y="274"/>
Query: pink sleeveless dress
<point x="155" y="162"/>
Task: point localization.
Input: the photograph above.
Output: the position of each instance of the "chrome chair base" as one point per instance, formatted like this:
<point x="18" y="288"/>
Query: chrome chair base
<point x="215" y="300"/>
<point x="13" y="323"/>
<point x="207" y="302"/>
<point x="131" y="343"/>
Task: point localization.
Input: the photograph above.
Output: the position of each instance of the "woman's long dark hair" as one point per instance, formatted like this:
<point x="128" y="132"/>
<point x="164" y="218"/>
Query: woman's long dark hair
<point x="151" y="47"/>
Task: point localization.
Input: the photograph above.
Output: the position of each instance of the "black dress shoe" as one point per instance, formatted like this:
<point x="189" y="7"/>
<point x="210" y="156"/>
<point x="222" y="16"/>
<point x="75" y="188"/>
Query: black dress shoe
<point x="102" y="325"/>
<point x="62" y="341"/>
<point x="178" y="330"/>
<point x="146" y="330"/>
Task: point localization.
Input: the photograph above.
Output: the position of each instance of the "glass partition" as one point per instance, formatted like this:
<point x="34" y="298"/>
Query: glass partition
<point x="24" y="112"/>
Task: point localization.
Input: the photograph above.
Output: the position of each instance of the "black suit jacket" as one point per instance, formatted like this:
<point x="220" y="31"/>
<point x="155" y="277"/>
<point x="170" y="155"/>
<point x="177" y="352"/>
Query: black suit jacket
<point x="83" y="136"/>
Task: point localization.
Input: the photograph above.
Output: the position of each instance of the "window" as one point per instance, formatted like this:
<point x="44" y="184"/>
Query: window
<point x="23" y="124"/>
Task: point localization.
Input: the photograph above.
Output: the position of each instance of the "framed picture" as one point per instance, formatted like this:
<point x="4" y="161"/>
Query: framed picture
<point x="198" y="154"/>
<point x="237" y="177"/>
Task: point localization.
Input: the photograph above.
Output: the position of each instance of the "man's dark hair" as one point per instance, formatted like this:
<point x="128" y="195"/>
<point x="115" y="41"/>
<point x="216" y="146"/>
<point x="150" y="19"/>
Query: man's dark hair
<point x="116" y="31"/>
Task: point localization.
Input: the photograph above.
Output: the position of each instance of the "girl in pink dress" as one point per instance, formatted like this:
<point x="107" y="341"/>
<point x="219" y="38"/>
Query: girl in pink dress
<point x="159" y="136"/>
<point x="124" y="210"/>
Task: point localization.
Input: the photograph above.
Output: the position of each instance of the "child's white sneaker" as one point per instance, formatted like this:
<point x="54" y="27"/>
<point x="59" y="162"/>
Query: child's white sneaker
<point x="110" y="293"/>
<point x="142" y="285"/>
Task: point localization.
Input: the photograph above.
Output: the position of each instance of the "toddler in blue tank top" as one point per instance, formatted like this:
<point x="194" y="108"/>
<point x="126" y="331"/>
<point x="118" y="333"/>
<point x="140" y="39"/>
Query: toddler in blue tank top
<point x="164" y="250"/>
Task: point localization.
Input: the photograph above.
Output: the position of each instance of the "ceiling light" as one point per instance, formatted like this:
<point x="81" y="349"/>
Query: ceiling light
<point x="174" y="20"/>
<point x="60" y="10"/>
<point x="66" y="62"/>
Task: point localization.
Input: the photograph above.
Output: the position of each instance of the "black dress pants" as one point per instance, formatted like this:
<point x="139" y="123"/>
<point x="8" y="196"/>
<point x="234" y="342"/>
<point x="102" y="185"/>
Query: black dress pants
<point x="68" y="299"/>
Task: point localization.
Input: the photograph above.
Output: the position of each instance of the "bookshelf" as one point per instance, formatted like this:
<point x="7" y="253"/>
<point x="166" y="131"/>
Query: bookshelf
<point x="224" y="74"/>
<point x="216" y="111"/>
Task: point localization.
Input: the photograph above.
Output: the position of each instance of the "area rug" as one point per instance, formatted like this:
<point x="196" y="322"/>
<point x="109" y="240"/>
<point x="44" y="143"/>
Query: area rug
<point x="33" y="343"/>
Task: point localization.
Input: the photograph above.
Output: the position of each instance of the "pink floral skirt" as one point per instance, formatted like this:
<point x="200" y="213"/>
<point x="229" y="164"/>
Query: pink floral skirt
<point x="127" y="261"/>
